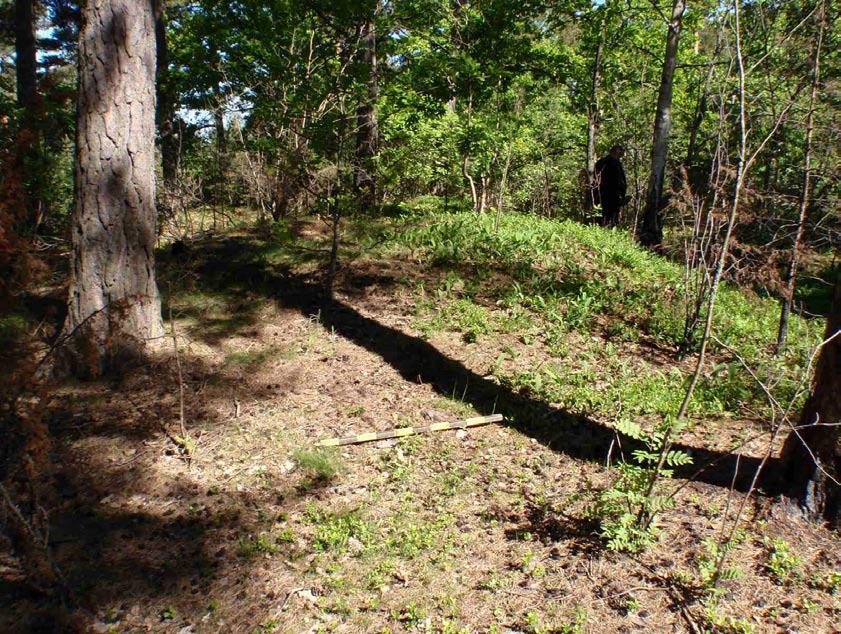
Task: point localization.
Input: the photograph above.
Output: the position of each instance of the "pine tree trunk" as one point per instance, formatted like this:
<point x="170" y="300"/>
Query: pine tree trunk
<point x="812" y="454"/>
<point x="25" y="54"/>
<point x="113" y="299"/>
<point x="651" y="231"/>
<point x="28" y="141"/>
<point x="367" y="135"/>
<point x="166" y="102"/>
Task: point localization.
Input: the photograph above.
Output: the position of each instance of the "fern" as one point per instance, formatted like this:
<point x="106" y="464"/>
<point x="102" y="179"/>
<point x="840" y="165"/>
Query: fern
<point x="627" y="508"/>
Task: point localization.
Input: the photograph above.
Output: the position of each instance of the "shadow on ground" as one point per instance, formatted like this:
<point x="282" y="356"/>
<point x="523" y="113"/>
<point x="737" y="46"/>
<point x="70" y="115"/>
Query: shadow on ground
<point x="242" y="262"/>
<point x="125" y="531"/>
<point x="131" y="556"/>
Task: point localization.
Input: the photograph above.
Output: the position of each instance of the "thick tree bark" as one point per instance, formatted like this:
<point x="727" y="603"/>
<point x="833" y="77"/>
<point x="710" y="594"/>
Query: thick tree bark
<point x="113" y="299"/>
<point x="25" y="55"/>
<point x="651" y="230"/>
<point x="812" y="454"/>
<point x="367" y="133"/>
<point x="165" y="113"/>
<point x="805" y="192"/>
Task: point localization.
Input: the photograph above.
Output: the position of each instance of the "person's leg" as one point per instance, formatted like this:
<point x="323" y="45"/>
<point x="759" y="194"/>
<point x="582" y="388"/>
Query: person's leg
<point x="610" y="213"/>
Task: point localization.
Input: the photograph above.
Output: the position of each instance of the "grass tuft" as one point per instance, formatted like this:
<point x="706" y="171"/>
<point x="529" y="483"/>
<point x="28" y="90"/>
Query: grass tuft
<point x="321" y="464"/>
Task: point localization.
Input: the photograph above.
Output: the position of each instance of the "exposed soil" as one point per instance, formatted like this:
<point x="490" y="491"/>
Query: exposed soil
<point x="483" y="529"/>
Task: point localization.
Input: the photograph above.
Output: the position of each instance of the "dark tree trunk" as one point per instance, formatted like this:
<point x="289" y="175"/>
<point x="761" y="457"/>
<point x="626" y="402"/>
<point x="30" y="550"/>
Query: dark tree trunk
<point x="166" y="102"/>
<point x="698" y="118"/>
<point x="25" y="60"/>
<point x="221" y="152"/>
<point x="113" y="299"/>
<point x="367" y="135"/>
<point x="28" y="141"/>
<point x="221" y="138"/>
<point x="812" y="454"/>
<point x="651" y="230"/>
<point x="805" y="192"/>
<point x="592" y="126"/>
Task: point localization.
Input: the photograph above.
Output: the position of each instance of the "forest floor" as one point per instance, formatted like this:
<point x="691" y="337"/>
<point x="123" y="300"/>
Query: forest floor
<point x="483" y="530"/>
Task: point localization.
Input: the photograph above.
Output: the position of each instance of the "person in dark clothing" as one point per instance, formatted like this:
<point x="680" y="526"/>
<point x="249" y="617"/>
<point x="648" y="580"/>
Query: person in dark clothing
<point x="612" y="185"/>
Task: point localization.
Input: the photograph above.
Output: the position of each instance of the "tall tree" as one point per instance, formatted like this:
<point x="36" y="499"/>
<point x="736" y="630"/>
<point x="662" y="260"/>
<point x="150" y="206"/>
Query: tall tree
<point x="651" y="229"/>
<point x="367" y="133"/>
<point x="593" y="122"/>
<point x="165" y="113"/>
<point x="25" y="54"/>
<point x="27" y="101"/>
<point x="806" y="188"/>
<point x="812" y="453"/>
<point x="602" y="31"/>
<point x="113" y="298"/>
<point x="700" y="111"/>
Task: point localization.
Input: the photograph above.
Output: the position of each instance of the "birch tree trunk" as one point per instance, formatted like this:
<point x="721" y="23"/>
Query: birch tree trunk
<point x="113" y="299"/>
<point x="474" y="195"/>
<point x="651" y="231"/>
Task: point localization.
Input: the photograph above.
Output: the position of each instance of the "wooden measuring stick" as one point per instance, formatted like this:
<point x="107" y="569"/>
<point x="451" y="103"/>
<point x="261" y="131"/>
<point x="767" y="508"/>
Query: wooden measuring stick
<point x="410" y="431"/>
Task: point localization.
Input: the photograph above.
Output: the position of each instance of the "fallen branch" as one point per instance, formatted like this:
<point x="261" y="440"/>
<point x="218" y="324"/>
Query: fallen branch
<point x="410" y="431"/>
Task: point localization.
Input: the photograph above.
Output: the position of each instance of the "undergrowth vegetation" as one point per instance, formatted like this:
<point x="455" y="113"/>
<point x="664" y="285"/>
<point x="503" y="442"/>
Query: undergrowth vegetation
<point x="548" y="279"/>
<point x="628" y="507"/>
<point x="610" y="320"/>
<point x="574" y="330"/>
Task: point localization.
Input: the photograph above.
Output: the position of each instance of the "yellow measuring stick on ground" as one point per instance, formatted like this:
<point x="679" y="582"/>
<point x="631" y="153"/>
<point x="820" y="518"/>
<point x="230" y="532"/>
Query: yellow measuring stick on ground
<point x="410" y="431"/>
